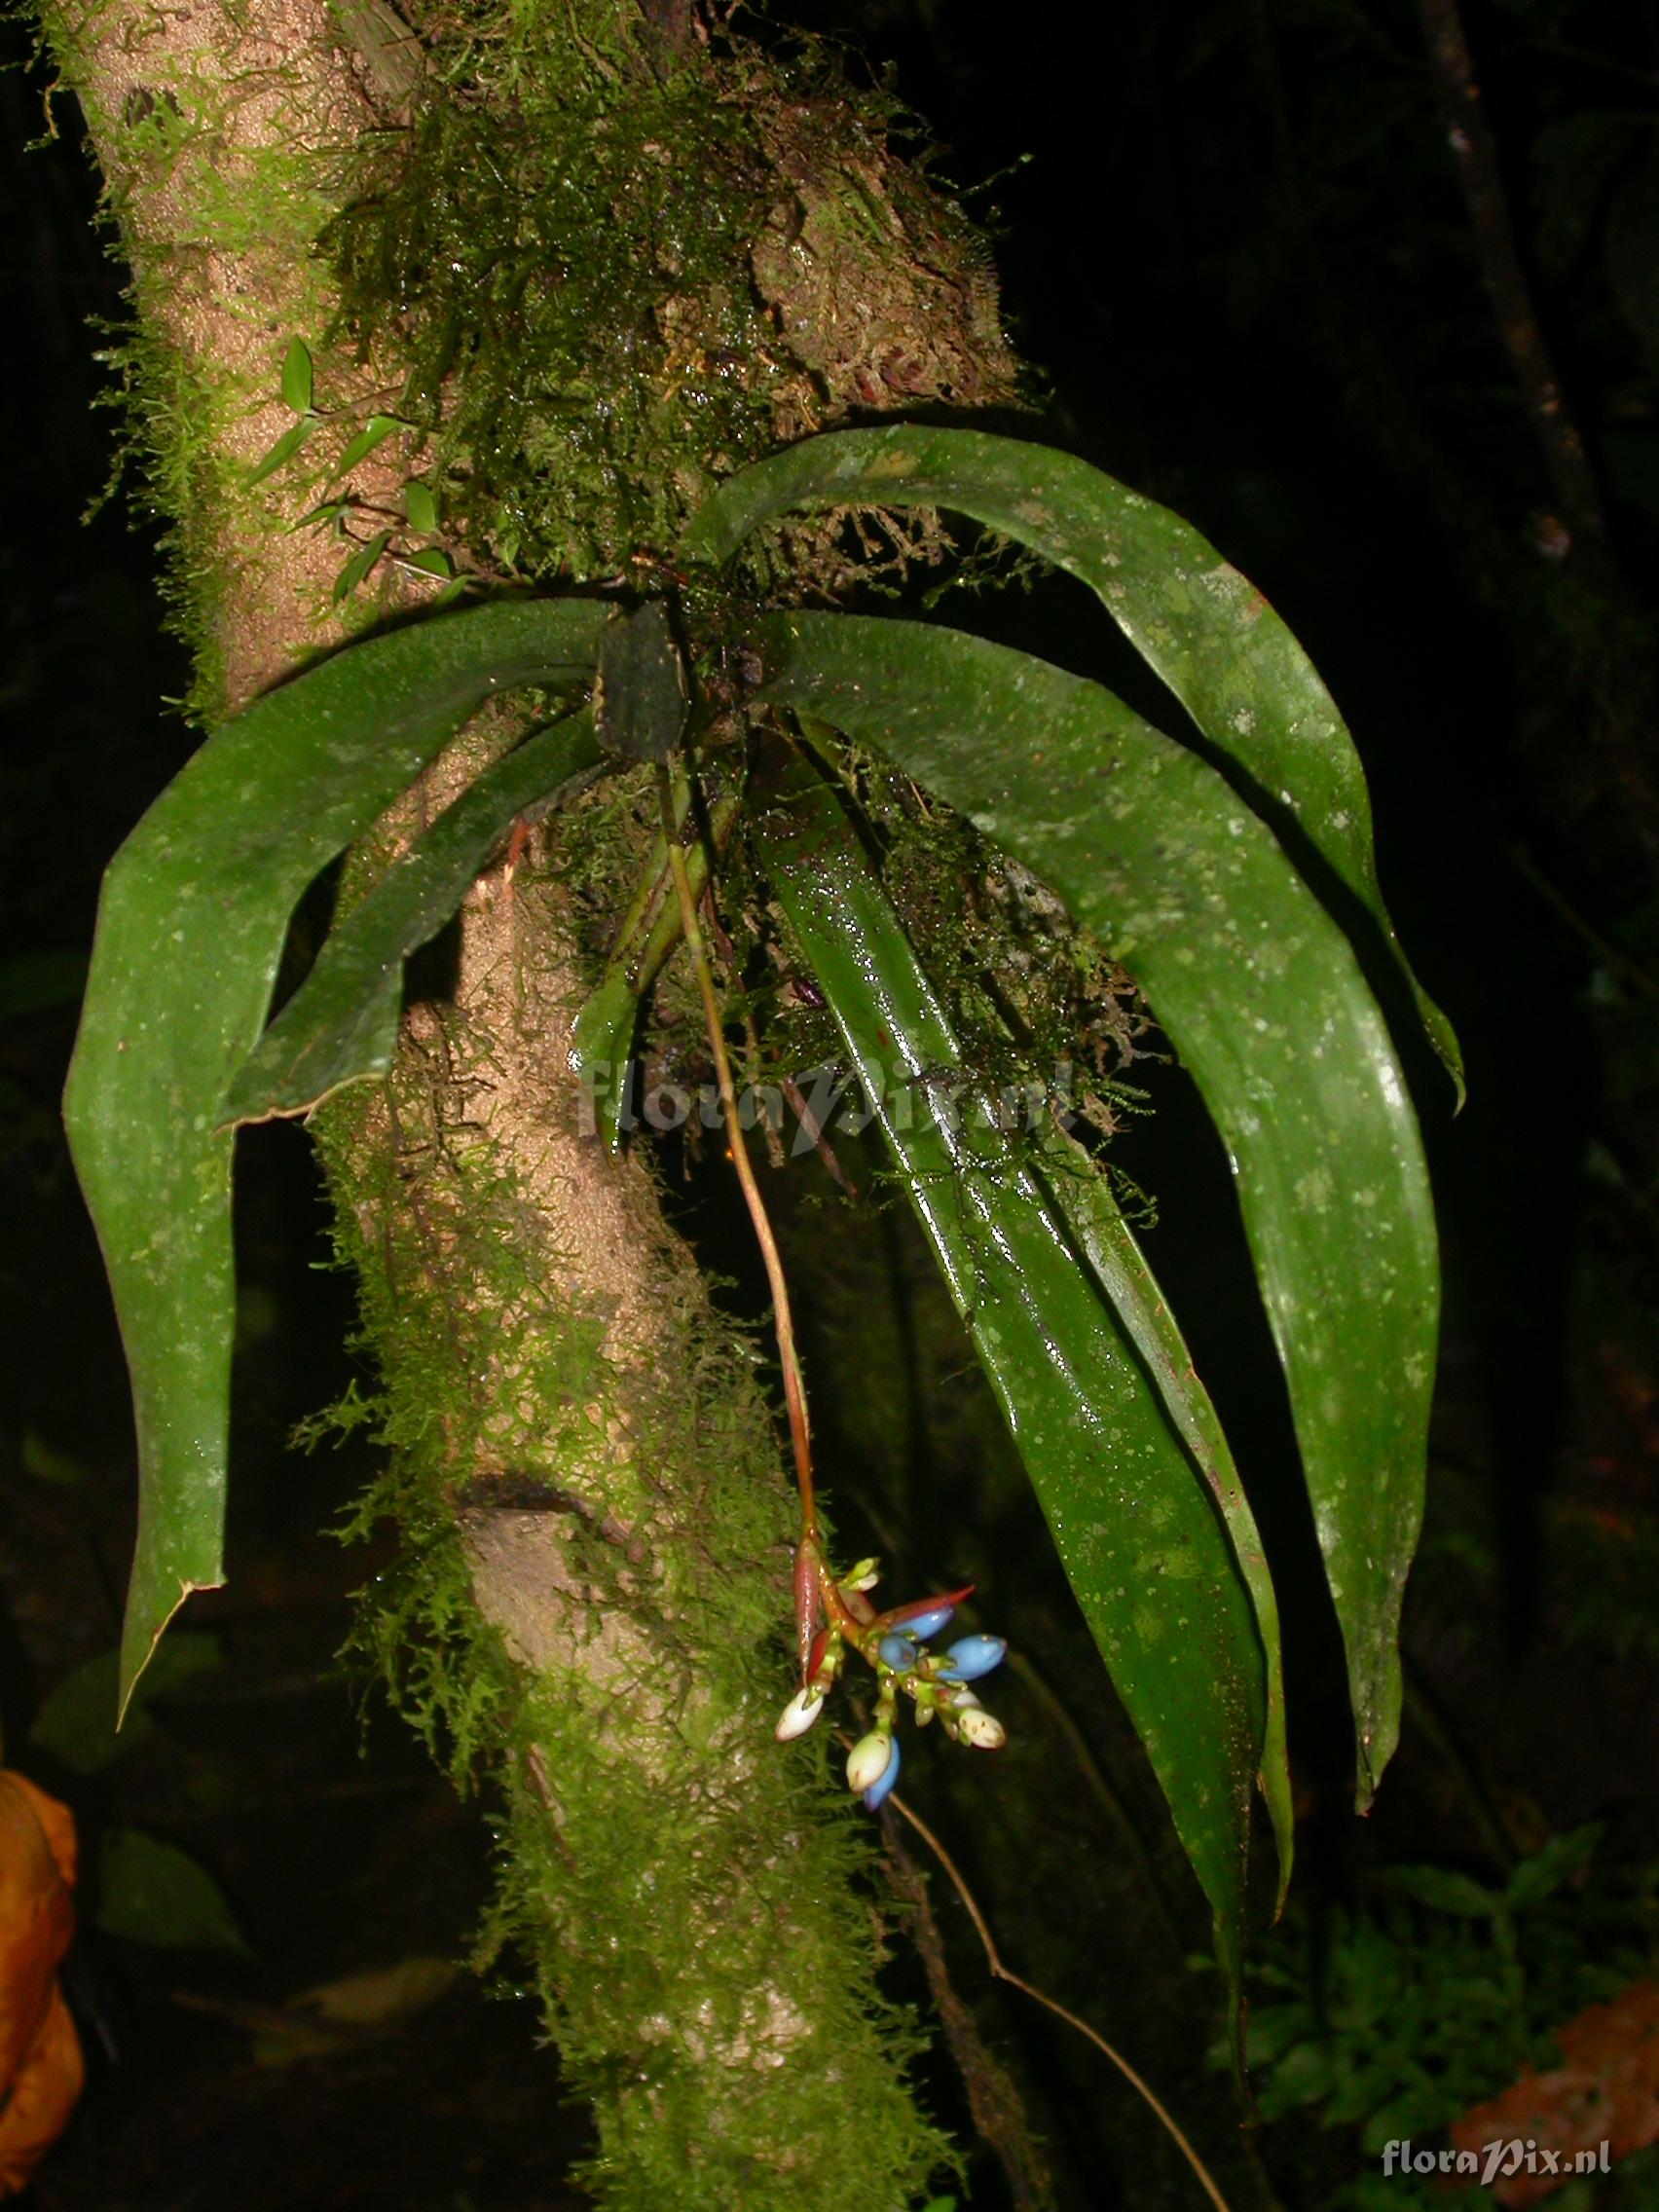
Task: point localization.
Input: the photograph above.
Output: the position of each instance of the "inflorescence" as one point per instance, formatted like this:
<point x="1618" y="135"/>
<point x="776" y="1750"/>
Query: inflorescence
<point x="896" y="1645"/>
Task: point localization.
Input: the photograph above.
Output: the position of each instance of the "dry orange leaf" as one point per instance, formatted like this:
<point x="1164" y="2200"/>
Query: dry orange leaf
<point x="41" y="2070"/>
<point x="1605" y="2091"/>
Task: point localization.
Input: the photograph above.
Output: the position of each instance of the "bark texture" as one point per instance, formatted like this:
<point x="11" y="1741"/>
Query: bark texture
<point x="596" y="1530"/>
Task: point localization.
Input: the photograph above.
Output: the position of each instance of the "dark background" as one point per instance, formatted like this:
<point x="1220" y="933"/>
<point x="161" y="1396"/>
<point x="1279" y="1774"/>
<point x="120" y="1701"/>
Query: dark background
<point x="1232" y="239"/>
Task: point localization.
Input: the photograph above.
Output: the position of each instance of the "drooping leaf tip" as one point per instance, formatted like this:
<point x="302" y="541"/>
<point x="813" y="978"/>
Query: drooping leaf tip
<point x="134" y="1661"/>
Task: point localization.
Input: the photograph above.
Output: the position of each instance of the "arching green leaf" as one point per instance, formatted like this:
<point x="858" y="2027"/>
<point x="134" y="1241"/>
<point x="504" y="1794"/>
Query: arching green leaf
<point x="374" y="433"/>
<point x="357" y="565"/>
<point x="296" y="435"/>
<point x="421" y="505"/>
<point x="1205" y="629"/>
<point x="429" y="561"/>
<point x="297" y="377"/>
<point x="1143" y="1545"/>
<point x="602" y="1043"/>
<point x="191" y="923"/>
<point x="342" y="1024"/>
<point x="1092" y="1215"/>
<point x="1263" y="997"/>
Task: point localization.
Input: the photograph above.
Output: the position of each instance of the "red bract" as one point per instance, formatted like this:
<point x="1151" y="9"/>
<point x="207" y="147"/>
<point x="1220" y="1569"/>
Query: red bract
<point x="899" y="1614"/>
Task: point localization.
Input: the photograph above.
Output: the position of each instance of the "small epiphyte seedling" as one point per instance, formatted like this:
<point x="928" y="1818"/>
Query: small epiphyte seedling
<point x="834" y="1614"/>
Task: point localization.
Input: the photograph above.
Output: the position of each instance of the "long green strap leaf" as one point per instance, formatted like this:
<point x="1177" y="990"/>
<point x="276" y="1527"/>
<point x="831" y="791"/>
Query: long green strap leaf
<point x="1148" y="1558"/>
<point x="341" y="1025"/>
<point x="191" y="924"/>
<point x="1095" y="1220"/>
<point x="1210" y="633"/>
<point x="1264" y="1001"/>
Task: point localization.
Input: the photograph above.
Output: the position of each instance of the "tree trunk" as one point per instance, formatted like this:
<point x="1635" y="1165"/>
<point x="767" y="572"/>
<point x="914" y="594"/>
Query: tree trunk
<point x="596" y="1529"/>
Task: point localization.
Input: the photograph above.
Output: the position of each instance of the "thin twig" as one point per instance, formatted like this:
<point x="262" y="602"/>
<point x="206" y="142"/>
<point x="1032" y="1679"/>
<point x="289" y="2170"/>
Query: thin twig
<point x="1627" y="72"/>
<point x="1610" y="955"/>
<point x="809" y="1121"/>
<point x="795" y="1391"/>
<point x="993" y="2095"/>
<point x="772" y="1128"/>
<point x="1423" y="1711"/>
<point x="1094" y="1775"/>
<point x="1479" y="171"/>
<point x="1001" y="1972"/>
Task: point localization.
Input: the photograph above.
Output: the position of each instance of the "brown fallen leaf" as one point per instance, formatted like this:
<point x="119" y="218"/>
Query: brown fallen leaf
<point x="376" y="2002"/>
<point x="335" y="2015"/>
<point x="41" y="2069"/>
<point x="1605" y="2091"/>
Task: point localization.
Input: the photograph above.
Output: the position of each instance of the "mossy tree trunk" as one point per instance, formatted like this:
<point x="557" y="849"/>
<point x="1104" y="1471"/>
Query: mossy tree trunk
<point x="596" y="254"/>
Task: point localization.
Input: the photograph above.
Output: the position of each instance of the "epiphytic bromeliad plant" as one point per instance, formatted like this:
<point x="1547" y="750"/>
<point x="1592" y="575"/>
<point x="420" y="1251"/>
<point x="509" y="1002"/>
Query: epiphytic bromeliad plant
<point x="1181" y="866"/>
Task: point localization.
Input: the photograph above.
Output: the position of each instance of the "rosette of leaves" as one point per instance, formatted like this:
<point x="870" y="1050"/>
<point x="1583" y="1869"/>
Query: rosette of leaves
<point x="1185" y="863"/>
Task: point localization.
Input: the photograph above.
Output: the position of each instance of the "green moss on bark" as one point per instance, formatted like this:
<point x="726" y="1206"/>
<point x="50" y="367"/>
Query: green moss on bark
<point x="691" y="1899"/>
<point x="593" y="271"/>
<point x="568" y="286"/>
<point x="616" y="271"/>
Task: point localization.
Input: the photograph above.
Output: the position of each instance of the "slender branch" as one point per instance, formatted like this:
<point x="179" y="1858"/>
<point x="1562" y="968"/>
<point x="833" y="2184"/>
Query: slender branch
<point x="773" y="1129"/>
<point x="809" y="1121"/>
<point x="1610" y="955"/>
<point x="993" y="2096"/>
<point x="1095" y="1776"/>
<point x="1001" y="1972"/>
<point x="1587" y="58"/>
<point x="1479" y="171"/>
<point x="1424" y="1711"/>
<point x="795" y="1390"/>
